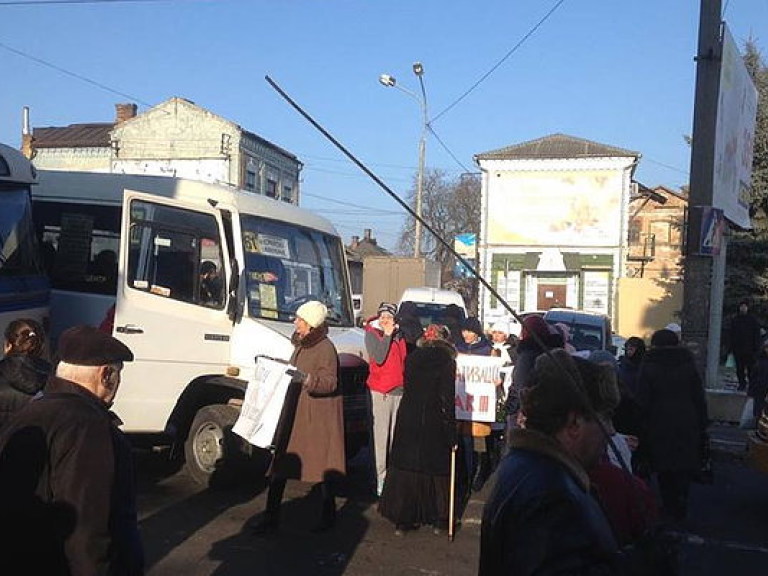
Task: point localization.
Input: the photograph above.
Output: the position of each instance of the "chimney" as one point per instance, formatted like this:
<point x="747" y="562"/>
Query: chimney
<point x="355" y="242"/>
<point x="26" y="134"/>
<point x="367" y="234"/>
<point x="124" y="112"/>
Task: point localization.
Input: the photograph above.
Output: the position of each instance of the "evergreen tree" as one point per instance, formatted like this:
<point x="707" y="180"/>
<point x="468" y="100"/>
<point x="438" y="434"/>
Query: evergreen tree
<point x="747" y="262"/>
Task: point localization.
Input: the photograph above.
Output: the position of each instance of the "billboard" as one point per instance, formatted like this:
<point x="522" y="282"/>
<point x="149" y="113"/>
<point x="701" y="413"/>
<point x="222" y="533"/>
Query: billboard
<point x="567" y="208"/>
<point x="735" y="136"/>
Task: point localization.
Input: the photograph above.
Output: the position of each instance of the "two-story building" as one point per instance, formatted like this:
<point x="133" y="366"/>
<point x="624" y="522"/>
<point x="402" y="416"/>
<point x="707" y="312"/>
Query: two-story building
<point x="174" y="138"/>
<point x="554" y="219"/>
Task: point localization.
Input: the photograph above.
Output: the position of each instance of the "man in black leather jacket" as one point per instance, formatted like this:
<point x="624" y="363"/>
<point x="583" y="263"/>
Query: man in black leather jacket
<point x="541" y="517"/>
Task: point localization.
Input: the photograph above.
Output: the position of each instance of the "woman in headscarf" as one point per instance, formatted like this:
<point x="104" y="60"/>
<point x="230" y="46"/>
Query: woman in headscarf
<point x="315" y="451"/>
<point x="417" y="486"/>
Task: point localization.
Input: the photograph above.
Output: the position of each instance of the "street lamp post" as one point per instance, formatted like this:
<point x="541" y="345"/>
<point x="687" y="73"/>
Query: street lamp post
<point x="390" y="82"/>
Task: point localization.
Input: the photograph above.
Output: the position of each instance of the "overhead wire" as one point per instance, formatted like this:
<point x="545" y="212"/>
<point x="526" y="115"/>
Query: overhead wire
<point x="72" y="74"/>
<point x="51" y="2"/>
<point x="485" y="76"/>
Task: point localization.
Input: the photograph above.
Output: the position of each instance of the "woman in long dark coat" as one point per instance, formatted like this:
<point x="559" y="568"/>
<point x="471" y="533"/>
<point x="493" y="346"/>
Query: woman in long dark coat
<point x="417" y="486"/>
<point x="674" y="412"/>
<point x="315" y="451"/>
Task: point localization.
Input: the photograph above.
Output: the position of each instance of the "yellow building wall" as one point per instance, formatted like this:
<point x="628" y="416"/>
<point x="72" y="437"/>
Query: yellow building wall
<point x="645" y="305"/>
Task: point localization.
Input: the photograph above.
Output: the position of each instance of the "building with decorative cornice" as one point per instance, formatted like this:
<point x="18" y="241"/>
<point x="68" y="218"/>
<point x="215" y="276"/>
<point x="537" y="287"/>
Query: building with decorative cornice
<point x="174" y="138"/>
<point x="554" y="224"/>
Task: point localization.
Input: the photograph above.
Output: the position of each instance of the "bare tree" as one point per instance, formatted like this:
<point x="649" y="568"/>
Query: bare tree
<point x="449" y="206"/>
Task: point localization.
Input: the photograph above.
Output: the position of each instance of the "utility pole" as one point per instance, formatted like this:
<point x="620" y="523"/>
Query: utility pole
<point x="704" y="275"/>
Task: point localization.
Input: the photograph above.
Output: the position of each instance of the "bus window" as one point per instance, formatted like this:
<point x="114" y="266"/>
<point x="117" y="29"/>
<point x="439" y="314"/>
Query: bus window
<point x="175" y="253"/>
<point x="79" y="243"/>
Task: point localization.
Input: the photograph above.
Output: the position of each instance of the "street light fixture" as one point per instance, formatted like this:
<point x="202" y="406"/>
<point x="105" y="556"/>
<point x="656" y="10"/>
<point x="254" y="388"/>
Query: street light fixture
<point x="391" y="82"/>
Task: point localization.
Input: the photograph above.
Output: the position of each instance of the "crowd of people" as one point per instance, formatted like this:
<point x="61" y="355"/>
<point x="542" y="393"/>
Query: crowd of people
<point x="585" y="456"/>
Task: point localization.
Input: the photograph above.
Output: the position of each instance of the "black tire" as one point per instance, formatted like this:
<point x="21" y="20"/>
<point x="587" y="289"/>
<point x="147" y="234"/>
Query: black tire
<point x="212" y="452"/>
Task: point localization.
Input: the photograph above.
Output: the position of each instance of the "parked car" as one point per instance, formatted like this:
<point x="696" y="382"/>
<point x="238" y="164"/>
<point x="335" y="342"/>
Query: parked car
<point x="589" y="331"/>
<point x="618" y="342"/>
<point x="430" y="303"/>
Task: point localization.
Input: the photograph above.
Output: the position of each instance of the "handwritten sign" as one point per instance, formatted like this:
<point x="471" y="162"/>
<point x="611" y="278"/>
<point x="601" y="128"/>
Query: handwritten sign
<point x="476" y="378"/>
<point x="263" y="403"/>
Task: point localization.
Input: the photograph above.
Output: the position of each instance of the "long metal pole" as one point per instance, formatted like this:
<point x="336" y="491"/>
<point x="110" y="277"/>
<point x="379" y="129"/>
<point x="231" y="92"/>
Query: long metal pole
<point x="422" y="159"/>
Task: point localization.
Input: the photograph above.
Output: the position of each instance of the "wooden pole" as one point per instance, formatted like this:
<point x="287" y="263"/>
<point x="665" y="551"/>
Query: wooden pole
<point x="451" y="502"/>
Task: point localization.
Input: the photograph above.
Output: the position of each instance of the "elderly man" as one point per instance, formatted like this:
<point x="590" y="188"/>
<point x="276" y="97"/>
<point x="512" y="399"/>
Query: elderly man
<point x="66" y="471"/>
<point x="541" y="517"/>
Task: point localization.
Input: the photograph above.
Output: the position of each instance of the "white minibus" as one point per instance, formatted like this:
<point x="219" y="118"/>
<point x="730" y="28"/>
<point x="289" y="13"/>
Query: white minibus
<point x="203" y="278"/>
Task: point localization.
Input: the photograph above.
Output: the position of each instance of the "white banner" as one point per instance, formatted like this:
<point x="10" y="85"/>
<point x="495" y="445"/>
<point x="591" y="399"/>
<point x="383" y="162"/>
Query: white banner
<point x="263" y="402"/>
<point x="476" y="378"/>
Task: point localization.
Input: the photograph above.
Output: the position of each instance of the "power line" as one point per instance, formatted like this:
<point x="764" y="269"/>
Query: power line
<point x="73" y="74"/>
<point x="500" y="62"/>
<point x="45" y="2"/>
<point x="445" y="147"/>
<point x="350" y="204"/>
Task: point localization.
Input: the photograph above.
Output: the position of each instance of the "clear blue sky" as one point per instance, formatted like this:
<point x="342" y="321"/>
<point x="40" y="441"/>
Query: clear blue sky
<point x="620" y="73"/>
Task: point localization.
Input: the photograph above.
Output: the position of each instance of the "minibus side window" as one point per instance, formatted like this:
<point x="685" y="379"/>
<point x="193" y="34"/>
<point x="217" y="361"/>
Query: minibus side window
<point x="175" y="253"/>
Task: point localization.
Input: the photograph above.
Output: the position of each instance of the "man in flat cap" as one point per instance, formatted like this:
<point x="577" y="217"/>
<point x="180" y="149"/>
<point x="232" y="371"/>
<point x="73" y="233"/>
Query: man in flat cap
<point x="66" y="472"/>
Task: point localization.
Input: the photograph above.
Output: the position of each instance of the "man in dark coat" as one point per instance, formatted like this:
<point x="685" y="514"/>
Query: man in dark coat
<point x="66" y="470"/>
<point x="541" y="517"/>
<point x="673" y="409"/>
<point x="745" y="343"/>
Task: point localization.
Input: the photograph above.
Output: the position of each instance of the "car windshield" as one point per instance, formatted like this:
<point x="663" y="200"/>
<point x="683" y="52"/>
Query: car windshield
<point x="287" y="265"/>
<point x="429" y="312"/>
<point x="583" y="336"/>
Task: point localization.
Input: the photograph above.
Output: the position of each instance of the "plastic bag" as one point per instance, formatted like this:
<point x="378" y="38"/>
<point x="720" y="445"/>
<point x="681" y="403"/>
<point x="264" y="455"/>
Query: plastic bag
<point x="747" y="417"/>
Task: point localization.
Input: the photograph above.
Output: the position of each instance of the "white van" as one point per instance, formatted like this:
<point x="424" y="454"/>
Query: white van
<point x="141" y="243"/>
<point x="430" y="303"/>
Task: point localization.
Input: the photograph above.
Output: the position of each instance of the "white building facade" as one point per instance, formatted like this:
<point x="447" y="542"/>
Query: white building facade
<point x="553" y="227"/>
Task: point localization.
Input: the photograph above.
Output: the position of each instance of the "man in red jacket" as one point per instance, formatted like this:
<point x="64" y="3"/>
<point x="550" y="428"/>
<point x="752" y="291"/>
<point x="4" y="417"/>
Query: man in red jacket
<point x="386" y="365"/>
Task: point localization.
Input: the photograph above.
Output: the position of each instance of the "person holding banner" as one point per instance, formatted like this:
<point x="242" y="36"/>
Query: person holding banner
<point x="474" y="435"/>
<point x="315" y="451"/>
<point x="417" y="487"/>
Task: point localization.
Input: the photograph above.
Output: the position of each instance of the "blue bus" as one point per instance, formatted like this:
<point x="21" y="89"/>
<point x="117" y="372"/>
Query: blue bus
<point x="24" y="285"/>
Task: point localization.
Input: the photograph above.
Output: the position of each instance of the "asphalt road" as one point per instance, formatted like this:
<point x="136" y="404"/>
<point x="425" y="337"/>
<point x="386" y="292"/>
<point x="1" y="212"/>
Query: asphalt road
<point x="190" y="531"/>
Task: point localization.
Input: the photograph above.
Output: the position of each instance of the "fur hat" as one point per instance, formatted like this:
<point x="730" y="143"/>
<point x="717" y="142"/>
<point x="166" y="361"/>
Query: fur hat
<point x="313" y="313"/>
<point x="89" y="346"/>
<point x="564" y="383"/>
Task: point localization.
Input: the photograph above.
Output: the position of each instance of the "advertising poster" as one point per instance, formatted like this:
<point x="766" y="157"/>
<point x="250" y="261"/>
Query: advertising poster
<point x="569" y="208"/>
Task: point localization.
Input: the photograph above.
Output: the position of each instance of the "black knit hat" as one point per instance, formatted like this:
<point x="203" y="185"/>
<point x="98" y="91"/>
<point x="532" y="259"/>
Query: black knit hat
<point x="472" y="324"/>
